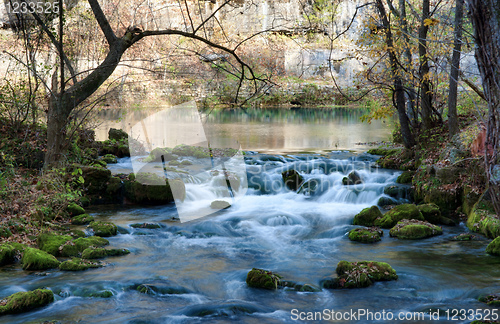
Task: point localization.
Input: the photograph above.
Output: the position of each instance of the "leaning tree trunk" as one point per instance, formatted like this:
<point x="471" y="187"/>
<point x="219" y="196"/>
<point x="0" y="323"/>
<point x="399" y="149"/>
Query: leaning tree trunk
<point x="485" y="17"/>
<point x="455" y="69"/>
<point x="425" y="89"/>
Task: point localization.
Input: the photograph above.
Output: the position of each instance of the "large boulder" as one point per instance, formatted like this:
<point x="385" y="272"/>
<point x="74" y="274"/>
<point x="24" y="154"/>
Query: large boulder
<point x="367" y="216"/>
<point x="259" y="278"/>
<point x="117" y="134"/>
<point x="51" y="243"/>
<point x="293" y="180"/>
<point x="98" y="253"/>
<point x="95" y="179"/>
<point x="483" y="219"/>
<point x="352" y="178"/>
<point x="398" y="213"/>
<point x="7" y="254"/>
<point x="366" y="235"/>
<point x="25" y="301"/>
<point x="83" y="219"/>
<point x="78" y="264"/>
<point x="414" y="230"/>
<point x="360" y="274"/>
<point x="35" y="259"/>
<point x="149" y="188"/>
<point x="494" y="247"/>
<point x="74" y="248"/>
<point x="74" y="209"/>
<point x="104" y="229"/>
<point x="432" y="214"/>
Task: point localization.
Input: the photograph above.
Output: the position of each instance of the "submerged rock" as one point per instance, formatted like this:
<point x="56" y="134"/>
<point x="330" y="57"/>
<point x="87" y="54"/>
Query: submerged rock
<point x="25" y="301"/>
<point x="352" y="178"/>
<point x="35" y="259"/>
<point x="360" y="274"/>
<point x="293" y="180"/>
<point x="366" y="234"/>
<point x="367" y="216"/>
<point x="104" y="229"/>
<point x="78" y="264"/>
<point x="464" y="237"/>
<point x="258" y="278"/>
<point x="220" y="204"/>
<point x="494" y="247"/>
<point x="145" y="225"/>
<point x="162" y="288"/>
<point x="398" y="213"/>
<point x="414" y="230"/>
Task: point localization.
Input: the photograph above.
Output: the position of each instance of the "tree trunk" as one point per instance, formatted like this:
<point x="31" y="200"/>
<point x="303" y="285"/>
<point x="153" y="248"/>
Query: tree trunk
<point x="485" y="17"/>
<point x="425" y="89"/>
<point x="410" y="90"/>
<point x="455" y="69"/>
<point x="398" y="83"/>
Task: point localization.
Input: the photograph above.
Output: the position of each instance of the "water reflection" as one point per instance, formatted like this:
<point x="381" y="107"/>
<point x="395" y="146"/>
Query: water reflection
<point x="270" y="130"/>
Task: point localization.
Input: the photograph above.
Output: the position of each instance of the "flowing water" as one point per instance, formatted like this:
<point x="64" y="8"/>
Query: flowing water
<point x="199" y="267"/>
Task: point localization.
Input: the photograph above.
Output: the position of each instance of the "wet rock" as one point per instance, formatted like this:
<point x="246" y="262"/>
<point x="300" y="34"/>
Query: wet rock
<point x="482" y="218"/>
<point x="35" y="259"/>
<point x="157" y="153"/>
<point x="399" y="192"/>
<point x="366" y="234"/>
<point x="490" y="300"/>
<point x="50" y="242"/>
<point x="25" y="301"/>
<point x="447" y="200"/>
<point x="384" y="202"/>
<point x="86" y="242"/>
<point x="145" y="225"/>
<point x="103" y="229"/>
<point x="99" y="253"/>
<point x="406" y="177"/>
<point x="219" y="204"/>
<point x="292" y="179"/>
<point x="494" y="247"/>
<point x="7" y="254"/>
<point x="74" y="209"/>
<point x="414" y="230"/>
<point x="110" y="159"/>
<point x="83" y="219"/>
<point x="352" y="178"/>
<point x="149" y="188"/>
<point x="360" y="274"/>
<point x="101" y="294"/>
<point x="432" y="214"/>
<point x="161" y="288"/>
<point x="311" y="187"/>
<point x="367" y="216"/>
<point x="117" y="134"/>
<point x="96" y="179"/>
<point x="398" y="213"/>
<point x="77" y="264"/>
<point x="307" y="288"/>
<point x="465" y="237"/>
<point x="258" y="278"/>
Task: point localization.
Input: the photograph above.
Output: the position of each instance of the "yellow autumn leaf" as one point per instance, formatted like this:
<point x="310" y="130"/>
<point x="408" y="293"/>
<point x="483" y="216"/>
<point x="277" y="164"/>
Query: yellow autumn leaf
<point x="430" y="22"/>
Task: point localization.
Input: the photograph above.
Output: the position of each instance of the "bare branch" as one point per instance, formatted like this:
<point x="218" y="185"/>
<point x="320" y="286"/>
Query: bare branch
<point x="103" y="22"/>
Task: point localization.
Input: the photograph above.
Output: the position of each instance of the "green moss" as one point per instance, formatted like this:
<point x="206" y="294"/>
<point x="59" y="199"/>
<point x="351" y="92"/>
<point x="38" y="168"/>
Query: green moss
<point x="186" y="162"/>
<point x="102" y="294"/>
<point x="365" y="235"/>
<point x="69" y="249"/>
<point x="259" y="278"/>
<point x="406" y="211"/>
<point x="494" y="247"/>
<point x="86" y="242"/>
<point x="110" y="159"/>
<point x="152" y="189"/>
<point x="432" y="214"/>
<point x="83" y="219"/>
<point x="367" y="216"/>
<point x="50" y="242"/>
<point x="94" y="253"/>
<point x="103" y="229"/>
<point x="77" y="264"/>
<point x="145" y="225"/>
<point x="405" y="177"/>
<point x="7" y="254"/>
<point x="5" y="231"/>
<point x="360" y="274"/>
<point x="483" y="220"/>
<point x="490" y="300"/>
<point x="24" y="301"/>
<point x="34" y="259"/>
<point x="413" y="230"/>
<point x="292" y="179"/>
<point x="464" y="237"/>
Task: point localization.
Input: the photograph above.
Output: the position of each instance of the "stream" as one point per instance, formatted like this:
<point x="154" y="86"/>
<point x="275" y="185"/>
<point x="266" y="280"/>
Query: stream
<point x="199" y="267"/>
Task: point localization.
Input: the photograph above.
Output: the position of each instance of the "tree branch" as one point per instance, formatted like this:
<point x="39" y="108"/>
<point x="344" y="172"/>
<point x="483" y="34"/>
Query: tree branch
<point x="103" y="22"/>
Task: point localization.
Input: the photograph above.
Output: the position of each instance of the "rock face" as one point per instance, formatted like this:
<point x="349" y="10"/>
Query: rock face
<point x="398" y="213"/>
<point x="366" y="235"/>
<point x="414" y="230"/>
<point x="24" y="301"/>
<point x="367" y="216"/>
<point x="259" y="278"/>
<point x="494" y="247"/>
<point x="360" y="274"/>
<point x="292" y="179"/>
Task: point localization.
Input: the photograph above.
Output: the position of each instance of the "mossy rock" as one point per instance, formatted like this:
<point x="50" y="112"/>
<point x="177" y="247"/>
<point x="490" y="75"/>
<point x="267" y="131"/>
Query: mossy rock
<point x="96" y="179"/>
<point x="104" y="229"/>
<point x="398" y="213"/>
<point x="360" y="274"/>
<point x="25" y="301"/>
<point x="490" y="300"/>
<point x="366" y="235"/>
<point x="464" y="237"/>
<point x="353" y="178"/>
<point x="83" y="219"/>
<point x="110" y="159"/>
<point x="384" y="151"/>
<point x="219" y="204"/>
<point x="35" y="259"/>
<point x="483" y="218"/>
<point x="447" y="200"/>
<point x="7" y="254"/>
<point x="145" y="225"/>
<point x="5" y="232"/>
<point x="149" y="188"/>
<point x="99" y="253"/>
<point x="51" y="243"/>
<point x="414" y="230"/>
<point x="405" y="177"/>
<point x="383" y="202"/>
<point x="86" y="242"/>
<point x="77" y="264"/>
<point x="117" y="134"/>
<point x="186" y="162"/>
<point x="258" y="278"/>
<point x="494" y="247"/>
<point x="102" y="294"/>
<point x="432" y="214"/>
<point x="69" y="249"/>
<point x="157" y="153"/>
<point x="307" y="288"/>
<point x="367" y="216"/>
<point x="174" y="163"/>
<point x="292" y="179"/>
<point x="163" y="288"/>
